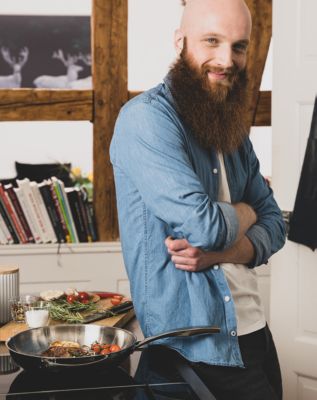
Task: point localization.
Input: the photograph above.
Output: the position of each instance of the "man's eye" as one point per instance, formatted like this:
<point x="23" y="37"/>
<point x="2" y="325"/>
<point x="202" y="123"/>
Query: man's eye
<point x="212" y="41"/>
<point x="240" y="48"/>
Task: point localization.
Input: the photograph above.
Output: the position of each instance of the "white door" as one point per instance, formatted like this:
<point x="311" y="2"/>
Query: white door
<point x="294" y="269"/>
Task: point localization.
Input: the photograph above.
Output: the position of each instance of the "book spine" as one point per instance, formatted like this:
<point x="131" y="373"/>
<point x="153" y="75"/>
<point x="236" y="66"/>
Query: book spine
<point x="76" y="214"/>
<point x="43" y="213"/>
<point x="91" y="221"/>
<point x="24" y="184"/>
<point x="13" y="216"/>
<point x="45" y="191"/>
<point x="84" y="215"/>
<point x="5" y="230"/>
<point x="65" y="212"/>
<point x="3" y="239"/>
<point x="8" y="222"/>
<point x="59" y="212"/>
<point x="19" y="211"/>
<point x="28" y="214"/>
<point x="68" y="212"/>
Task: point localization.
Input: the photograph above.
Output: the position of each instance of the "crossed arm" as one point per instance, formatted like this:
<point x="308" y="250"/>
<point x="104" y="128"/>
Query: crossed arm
<point x="189" y="258"/>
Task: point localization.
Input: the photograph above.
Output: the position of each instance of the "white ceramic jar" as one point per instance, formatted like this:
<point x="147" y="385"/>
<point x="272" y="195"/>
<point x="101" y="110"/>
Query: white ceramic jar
<point x="9" y="288"/>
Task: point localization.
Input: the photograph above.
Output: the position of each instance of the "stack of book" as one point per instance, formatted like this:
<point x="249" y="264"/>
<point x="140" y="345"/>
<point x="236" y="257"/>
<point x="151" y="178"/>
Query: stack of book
<point x="45" y="212"/>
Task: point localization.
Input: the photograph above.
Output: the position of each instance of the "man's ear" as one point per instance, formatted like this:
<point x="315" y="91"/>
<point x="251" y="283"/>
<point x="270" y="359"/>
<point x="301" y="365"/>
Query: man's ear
<point x="178" y="41"/>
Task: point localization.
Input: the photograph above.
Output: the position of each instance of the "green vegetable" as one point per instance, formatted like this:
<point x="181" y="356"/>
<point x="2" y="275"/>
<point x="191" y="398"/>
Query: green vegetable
<point x="70" y="312"/>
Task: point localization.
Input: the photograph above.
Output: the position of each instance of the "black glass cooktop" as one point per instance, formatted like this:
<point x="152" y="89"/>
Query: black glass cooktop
<point x="155" y="373"/>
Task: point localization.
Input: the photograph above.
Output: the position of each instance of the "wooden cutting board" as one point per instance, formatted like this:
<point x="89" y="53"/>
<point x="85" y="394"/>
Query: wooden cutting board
<point x="12" y="328"/>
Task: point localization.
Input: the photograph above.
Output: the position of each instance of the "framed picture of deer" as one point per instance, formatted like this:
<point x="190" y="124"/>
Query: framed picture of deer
<point x="45" y="52"/>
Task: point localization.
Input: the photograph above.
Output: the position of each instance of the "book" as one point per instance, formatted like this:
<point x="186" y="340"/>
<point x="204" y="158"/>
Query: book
<point x="28" y="215"/>
<point x="3" y="239"/>
<point x="59" y="211"/>
<point x="43" y="212"/>
<point x="62" y="198"/>
<point x="73" y="200"/>
<point x="91" y="221"/>
<point x="5" y="230"/>
<point x="8" y="222"/>
<point x="90" y="215"/>
<point x="84" y="213"/>
<point x="12" y="215"/>
<point x="19" y="211"/>
<point x="45" y="190"/>
<point x="24" y="184"/>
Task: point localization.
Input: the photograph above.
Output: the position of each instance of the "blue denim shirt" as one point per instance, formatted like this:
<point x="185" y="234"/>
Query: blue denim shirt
<point x="167" y="185"/>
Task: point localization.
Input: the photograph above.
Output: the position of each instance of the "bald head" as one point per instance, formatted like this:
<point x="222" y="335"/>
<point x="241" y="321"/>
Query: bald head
<point x="203" y="16"/>
<point x="196" y="10"/>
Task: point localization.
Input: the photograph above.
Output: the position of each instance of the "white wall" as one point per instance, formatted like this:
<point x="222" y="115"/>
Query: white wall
<point x="150" y="52"/>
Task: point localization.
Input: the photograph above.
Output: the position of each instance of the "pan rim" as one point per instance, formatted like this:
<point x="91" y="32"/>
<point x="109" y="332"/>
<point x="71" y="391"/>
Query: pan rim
<point x="95" y="357"/>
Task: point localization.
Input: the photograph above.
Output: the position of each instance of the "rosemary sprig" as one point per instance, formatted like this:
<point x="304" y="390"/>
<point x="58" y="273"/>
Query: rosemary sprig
<point x="70" y="312"/>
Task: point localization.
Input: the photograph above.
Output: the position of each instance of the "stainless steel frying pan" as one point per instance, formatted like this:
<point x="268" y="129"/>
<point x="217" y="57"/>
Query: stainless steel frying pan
<point x="26" y="347"/>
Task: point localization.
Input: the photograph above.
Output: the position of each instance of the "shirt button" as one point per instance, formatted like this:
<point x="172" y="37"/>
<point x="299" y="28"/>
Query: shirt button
<point x="216" y="267"/>
<point x="215" y="171"/>
<point x="227" y="298"/>
<point x="233" y="333"/>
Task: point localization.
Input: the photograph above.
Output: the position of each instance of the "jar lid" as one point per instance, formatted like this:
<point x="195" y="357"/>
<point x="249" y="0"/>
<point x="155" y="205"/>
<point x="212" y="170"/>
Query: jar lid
<point x="8" y="270"/>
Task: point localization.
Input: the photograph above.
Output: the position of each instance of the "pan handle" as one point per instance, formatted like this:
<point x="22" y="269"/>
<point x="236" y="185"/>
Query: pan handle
<point x="47" y="363"/>
<point x="184" y="332"/>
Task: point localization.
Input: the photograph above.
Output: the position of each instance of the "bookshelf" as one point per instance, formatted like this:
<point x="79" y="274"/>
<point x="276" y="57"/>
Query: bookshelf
<point x="109" y="23"/>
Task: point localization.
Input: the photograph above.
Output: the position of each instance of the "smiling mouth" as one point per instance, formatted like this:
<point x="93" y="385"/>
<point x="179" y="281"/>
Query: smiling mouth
<point x="218" y="75"/>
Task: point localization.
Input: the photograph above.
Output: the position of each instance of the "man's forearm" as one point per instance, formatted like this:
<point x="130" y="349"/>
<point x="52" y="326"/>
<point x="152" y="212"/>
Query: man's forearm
<point x="242" y="252"/>
<point x="246" y="217"/>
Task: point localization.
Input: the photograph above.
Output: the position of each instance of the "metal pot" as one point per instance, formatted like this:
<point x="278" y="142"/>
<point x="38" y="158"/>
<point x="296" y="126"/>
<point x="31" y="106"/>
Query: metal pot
<point x="26" y="347"/>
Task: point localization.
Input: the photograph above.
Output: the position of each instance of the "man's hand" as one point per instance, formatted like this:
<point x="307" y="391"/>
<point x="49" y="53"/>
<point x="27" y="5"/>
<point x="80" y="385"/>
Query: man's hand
<point x="193" y="259"/>
<point x="185" y="256"/>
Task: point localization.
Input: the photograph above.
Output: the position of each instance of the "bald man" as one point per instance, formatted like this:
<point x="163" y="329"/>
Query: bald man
<point x="195" y="214"/>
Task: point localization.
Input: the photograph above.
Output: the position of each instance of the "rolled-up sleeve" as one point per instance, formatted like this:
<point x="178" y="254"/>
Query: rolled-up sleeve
<point x="149" y="147"/>
<point x="268" y="234"/>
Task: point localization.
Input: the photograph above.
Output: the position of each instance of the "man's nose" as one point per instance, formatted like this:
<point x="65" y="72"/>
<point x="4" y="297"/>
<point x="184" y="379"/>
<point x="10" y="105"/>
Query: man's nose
<point x="224" y="57"/>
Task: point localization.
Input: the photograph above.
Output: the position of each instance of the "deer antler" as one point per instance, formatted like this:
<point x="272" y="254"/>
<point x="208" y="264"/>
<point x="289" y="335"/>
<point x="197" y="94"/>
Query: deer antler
<point x="71" y="60"/>
<point x="59" y="55"/>
<point x="6" y="56"/>
<point x="23" y="56"/>
<point x="85" y="58"/>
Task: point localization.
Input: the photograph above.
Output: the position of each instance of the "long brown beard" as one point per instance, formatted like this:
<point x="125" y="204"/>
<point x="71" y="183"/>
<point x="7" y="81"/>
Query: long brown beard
<point x="215" y="113"/>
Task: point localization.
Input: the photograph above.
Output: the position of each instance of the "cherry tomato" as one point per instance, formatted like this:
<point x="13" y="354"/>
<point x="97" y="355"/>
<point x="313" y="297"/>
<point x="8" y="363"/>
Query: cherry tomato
<point x="96" y="347"/>
<point x="105" y="346"/>
<point x="114" y="348"/>
<point x="115" y="301"/>
<point x="83" y="296"/>
<point x="71" y="298"/>
<point x="117" y="296"/>
<point x="84" y="301"/>
<point x="105" y="351"/>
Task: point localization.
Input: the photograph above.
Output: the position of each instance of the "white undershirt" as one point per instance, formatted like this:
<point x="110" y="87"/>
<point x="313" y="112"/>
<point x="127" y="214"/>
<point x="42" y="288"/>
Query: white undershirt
<point x="242" y="280"/>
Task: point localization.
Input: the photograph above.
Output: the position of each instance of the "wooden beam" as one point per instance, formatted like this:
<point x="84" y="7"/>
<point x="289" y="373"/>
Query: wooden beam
<point x="261" y="11"/>
<point x="263" y="108"/>
<point x="45" y="105"/>
<point x="110" y="79"/>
